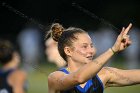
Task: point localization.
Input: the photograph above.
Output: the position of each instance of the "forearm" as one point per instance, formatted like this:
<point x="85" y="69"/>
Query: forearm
<point x="91" y="69"/>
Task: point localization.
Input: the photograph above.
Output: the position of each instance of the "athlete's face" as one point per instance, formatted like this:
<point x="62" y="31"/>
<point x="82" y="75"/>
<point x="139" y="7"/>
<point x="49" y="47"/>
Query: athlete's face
<point x="51" y="50"/>
<point x="83" y="49"/>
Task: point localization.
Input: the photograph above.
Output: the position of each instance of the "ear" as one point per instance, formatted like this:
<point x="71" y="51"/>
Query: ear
<point x="68" y="51"/>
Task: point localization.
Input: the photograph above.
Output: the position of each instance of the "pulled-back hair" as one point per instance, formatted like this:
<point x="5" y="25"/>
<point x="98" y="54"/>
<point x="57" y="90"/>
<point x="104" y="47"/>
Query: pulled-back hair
<point x="6" y="51"/>
<point x="56" y="28"/>
<point x="64" y="37"/>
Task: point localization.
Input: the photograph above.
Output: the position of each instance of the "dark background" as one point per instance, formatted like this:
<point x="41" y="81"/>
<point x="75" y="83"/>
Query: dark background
<point x="117" y="12"/>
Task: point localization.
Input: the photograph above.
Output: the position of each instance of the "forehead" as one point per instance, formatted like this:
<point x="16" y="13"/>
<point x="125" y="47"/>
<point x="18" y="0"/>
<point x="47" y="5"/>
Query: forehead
<point x="83" y="38"/>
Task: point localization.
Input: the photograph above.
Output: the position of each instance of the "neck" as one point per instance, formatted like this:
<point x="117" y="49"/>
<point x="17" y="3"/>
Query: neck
<point x="74" y="66"/>
<point x="9" y="65"/>
<point x="60" y="62"/>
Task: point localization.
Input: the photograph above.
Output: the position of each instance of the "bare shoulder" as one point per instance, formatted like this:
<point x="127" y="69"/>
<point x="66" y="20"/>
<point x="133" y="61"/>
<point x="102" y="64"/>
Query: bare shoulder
<point x="54" y="76"/>
<point x="111" y="70"/>
<point x="54" y="80"/>
<point x="17" y="78"/>
<point x="108" y="71"/>
<point x="104" y="75"/>
<point x="105" y="70"/>
<point x="18" y="75"/>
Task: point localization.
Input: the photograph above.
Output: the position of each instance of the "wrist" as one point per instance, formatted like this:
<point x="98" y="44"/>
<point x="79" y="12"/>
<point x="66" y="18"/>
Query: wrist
<point x="113" y="51"/>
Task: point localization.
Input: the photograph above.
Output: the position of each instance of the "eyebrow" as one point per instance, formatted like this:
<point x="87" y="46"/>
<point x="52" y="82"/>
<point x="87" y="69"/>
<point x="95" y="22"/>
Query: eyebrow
<point x="87" y="43"/>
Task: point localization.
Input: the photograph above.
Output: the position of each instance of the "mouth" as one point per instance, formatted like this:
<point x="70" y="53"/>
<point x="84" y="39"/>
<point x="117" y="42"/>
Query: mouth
<point x="90" y="57"/>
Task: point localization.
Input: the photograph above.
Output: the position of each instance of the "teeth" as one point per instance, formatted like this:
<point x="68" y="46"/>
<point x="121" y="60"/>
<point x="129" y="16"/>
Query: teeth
<point x="90" y="57"/>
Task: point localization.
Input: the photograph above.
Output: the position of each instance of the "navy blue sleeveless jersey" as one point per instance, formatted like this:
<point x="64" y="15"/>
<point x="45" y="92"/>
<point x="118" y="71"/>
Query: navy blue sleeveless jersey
<point x="93" y="85"/>
<point x="4" y="86"/>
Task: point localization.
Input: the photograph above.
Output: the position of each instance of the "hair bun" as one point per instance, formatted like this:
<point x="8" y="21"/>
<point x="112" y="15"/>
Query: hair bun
<point x="57" y="29"/>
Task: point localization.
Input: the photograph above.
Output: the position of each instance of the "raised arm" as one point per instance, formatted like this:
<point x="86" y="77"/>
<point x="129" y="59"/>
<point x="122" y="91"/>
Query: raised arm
<point x="61" y="81"/>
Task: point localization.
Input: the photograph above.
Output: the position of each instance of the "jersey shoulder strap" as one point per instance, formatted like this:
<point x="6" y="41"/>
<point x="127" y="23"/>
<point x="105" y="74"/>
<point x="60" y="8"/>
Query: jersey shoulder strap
<point x="64" y="70"/>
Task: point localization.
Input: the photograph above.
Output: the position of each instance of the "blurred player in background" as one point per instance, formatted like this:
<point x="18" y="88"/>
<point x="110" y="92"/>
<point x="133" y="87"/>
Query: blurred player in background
<point x="12" y="79"/>
<point x="52" y="50"/>
<point x="29" y="40"/>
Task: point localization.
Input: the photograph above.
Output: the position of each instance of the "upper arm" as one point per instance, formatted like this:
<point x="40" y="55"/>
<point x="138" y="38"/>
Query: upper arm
<point x="119" y="77"/>
<point x="61" y="81"/>
<point x="18" y="81"/>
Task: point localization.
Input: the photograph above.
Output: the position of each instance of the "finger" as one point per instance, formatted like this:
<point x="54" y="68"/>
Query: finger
<point x="122" y="32"/>
<point x="126" y="41"/>
<point x="125" y="38"/>
<point x="127" y="29"/>
<point x="129" y="43"/>
<point x="124" y="46"/>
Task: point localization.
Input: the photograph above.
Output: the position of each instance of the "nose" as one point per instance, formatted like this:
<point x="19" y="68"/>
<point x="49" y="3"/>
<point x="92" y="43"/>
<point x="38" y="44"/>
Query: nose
<point x="92" y="50"/>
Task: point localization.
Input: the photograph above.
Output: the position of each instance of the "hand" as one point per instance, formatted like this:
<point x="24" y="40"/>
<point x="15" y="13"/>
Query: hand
<point x="123" y="40"/>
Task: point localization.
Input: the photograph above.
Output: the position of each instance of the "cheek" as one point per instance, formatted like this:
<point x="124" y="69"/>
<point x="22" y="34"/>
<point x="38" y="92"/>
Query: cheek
<point x="53" y="52"/>
<point x="94" y="51"/>
<point x="80" y="52"/>
<point x="49" y="52"/>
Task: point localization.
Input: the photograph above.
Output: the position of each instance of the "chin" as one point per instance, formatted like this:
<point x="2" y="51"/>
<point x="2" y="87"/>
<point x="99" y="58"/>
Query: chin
<point x="88" y="61"/>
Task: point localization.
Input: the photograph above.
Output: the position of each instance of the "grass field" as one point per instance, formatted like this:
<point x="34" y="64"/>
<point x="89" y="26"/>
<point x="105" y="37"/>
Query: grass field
<point x="38" y="82"/>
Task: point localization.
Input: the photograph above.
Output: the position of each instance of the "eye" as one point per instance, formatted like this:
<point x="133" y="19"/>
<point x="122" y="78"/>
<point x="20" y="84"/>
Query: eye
<point x="91" y="46"/>
<point x="85" y="46"/>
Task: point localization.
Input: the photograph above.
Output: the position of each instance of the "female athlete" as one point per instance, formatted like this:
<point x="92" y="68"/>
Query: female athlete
<point x="83" y="74"/>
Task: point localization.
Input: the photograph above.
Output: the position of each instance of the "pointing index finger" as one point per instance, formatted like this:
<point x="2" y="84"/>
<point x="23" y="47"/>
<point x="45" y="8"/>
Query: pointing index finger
<point x="127" y="29"/>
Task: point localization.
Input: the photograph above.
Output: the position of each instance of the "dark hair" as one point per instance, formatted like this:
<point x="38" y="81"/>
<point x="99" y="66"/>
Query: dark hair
<point x="6" y="51"/>
<point x="56" y="28"/>
<point x="64" y="37"/>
